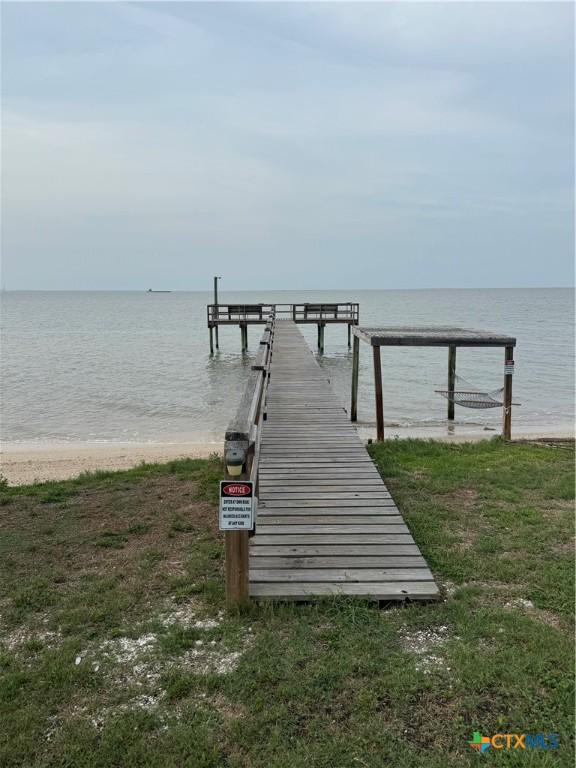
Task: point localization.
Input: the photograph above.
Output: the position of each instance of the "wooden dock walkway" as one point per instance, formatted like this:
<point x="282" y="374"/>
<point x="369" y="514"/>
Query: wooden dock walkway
<point x="326" y="522"/>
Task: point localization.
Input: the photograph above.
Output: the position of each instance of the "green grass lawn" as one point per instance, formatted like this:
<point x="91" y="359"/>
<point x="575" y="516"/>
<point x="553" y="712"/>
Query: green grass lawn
<point x="115" y="649"/>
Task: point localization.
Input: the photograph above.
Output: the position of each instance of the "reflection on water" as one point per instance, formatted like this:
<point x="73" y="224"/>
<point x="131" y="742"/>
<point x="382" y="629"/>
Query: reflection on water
<point x="136" y="366"/>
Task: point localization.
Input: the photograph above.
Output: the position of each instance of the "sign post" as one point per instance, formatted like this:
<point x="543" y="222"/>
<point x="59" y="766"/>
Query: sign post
<point x="236" y="519"/>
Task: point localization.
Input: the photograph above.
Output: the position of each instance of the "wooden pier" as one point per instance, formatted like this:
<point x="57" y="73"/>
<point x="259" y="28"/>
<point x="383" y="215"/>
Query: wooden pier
<point x="326" y="522"/>
<point x="243" y="315"/>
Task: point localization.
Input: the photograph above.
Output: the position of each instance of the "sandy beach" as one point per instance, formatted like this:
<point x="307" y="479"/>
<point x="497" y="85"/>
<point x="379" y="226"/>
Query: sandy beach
<point x="26" y="462"/>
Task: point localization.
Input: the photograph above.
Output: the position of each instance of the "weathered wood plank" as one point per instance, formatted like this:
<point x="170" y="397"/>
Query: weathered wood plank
<point x="329" y="520"/>
<point x="361" y="550"/>
<point x="382" y="561"/>
<point x="304" y="512"/>
<point x="322" y="447"/>
<point x="439" y="336"/>
<point x="315" y="453"/>
<point x="361" y="477"/>
<point x="303" y="503"/>
<point x="348" y="575"/>
<point x="332" y="538"/>
<point x="400" y="590"/>
<point x="316" y="468"/>
<point x="345" y="484"/>
<point x="302" y="438"/>
<point x="341" y="529"/>
<point x="315" y="463"/>
<point x="239" y="427"/>
<point x="308" y="428"/>
<point x="306" y="434"/>
<point x="277" y="495"/>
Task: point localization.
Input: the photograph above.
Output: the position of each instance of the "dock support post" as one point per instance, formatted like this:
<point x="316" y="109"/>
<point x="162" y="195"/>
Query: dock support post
<point x="211" y="341"/>
<point x="236" y="567"/>
<point x="378" y="394"/>
<point x="237" y="554"/>
<point x="348" y="335"/>
<point x="321" y="337"/>
<point x="355" y="372"/>
<point x="507" y="399"/>
<point x="217" y="308"/>
<point x="244" y="337"/>
<point x="451" y="380"/>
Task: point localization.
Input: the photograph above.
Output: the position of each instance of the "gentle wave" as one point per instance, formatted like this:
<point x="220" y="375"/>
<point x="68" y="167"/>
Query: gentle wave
<point x="136" y="366"/>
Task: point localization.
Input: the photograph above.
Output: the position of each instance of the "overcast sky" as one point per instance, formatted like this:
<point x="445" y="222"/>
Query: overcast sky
<point x="280" y="145"/>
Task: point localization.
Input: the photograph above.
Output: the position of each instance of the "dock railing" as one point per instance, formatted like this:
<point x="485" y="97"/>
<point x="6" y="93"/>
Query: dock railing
<point x="242" y="447"/>
<point x="302" y="312"/>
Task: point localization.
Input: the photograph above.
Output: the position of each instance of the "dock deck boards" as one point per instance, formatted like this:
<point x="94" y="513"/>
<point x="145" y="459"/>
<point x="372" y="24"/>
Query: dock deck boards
<point x="326" y="522"/>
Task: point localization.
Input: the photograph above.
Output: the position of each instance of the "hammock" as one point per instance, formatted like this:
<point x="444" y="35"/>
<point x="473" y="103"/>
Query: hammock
<point x="471" y="397"/>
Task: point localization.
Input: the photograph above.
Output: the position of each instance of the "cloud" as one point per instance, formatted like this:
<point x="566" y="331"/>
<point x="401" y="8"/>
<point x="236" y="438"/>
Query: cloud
<point x="417" y="108"/>
<point x="446" y="33"/>
<point x="283" y="134"/>
<point x="164" y="26"/>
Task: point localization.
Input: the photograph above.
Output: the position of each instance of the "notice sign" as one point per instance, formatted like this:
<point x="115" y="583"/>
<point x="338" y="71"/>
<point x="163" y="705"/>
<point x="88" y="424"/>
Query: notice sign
<point x="236" y="505"/>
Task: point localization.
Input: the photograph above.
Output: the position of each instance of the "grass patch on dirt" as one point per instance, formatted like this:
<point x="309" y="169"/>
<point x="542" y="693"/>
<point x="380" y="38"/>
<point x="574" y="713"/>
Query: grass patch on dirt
<point x="116" y="650"/>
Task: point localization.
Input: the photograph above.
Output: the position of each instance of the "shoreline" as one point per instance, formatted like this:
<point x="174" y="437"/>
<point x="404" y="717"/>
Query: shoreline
<point x="24" y="463"/>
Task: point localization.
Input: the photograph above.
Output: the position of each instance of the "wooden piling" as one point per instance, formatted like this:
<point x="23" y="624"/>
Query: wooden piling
<point x="378" y="394"/>
<point x="236" y="567"/>
<point x="211" y="341"/>
<point x="348" y="335"/>
<point x="237" y="542"/>
<point x="451" y="380"/>
<point x="507" y="399"/>
<point x="217" y="309"/>
<point x="244" y="337"/>
<point x="355" y="373"/>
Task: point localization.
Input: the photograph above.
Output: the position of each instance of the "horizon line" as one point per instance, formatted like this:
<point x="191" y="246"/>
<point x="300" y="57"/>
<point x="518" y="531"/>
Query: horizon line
<point x="285" y="290"/>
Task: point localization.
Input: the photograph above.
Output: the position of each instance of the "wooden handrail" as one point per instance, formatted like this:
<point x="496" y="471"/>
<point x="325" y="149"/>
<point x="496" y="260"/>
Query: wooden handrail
<point x="244" y="434"/>
<point x="296" y="311"/>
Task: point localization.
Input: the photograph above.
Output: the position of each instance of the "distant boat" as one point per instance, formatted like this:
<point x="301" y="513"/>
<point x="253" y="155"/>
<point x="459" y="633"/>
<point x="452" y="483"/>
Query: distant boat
<point x="152" y="291"/>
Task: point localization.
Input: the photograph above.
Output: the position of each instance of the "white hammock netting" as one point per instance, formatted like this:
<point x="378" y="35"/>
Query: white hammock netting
<point x="470" y="397"/>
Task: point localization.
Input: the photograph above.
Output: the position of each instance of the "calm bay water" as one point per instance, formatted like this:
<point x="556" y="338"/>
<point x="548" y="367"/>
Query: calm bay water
<point x="115" y="366"/>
